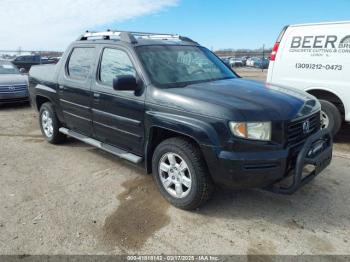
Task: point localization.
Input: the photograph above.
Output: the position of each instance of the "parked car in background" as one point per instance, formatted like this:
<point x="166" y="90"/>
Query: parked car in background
<point x="27" y="61"/>
<point x="251" y="61"/>
<point x="174" y="107"/>
<point x="13" y="84"/>
<point x="244" y="60"/>
<point x="226" y="60"/>
<point x="262" y="63"/>
<point x="235" y="62"/>
<point x="315" y="58"/>
<point x="55" y="59"/>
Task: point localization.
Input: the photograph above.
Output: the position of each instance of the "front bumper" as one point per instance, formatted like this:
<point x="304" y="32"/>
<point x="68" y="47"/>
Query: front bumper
<point x="317" y="152"/>
<point x="265" y="169"/>
<point x="14" y="97"/>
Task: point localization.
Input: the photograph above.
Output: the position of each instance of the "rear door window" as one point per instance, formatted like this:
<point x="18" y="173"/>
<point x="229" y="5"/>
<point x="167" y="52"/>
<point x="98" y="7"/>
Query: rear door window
<point x="80" y="63"/>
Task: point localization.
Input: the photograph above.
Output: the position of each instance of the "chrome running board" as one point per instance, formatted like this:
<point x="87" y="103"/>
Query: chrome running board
<point x="108" y="148"/>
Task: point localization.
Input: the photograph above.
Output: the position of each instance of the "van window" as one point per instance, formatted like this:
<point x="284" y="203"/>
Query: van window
<point x="114" y="63"/>
<point x="80" y="63"/>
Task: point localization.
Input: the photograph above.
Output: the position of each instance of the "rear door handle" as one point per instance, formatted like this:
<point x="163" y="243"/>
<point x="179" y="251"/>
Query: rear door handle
<point x="96" y="98"/>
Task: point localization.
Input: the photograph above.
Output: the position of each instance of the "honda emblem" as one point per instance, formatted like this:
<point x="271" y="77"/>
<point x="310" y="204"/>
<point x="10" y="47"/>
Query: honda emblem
<point x="306" y="127"/>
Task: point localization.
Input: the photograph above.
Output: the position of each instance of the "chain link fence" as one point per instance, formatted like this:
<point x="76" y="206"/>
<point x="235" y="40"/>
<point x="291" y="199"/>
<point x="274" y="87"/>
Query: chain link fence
<point x="244" y="52"/>
<point x="13" y="54"/>
<point x="234" y="58"/>
<point x="24" y="60"/>
<point x="246" y="58"/>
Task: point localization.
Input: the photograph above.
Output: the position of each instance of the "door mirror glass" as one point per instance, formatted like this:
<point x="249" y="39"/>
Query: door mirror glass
<point x="125" y="83"/>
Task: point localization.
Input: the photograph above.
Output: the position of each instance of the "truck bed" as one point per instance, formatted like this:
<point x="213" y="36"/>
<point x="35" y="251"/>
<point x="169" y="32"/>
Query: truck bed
<point x="44" y="73"/>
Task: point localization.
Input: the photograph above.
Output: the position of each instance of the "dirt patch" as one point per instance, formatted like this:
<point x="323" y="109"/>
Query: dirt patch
<point x="141" y="213"/>
<point x="261" y="251"/>
<point x="320" y="245"/>
<point x="294" y="224"/>
<point x="34" y="140"/>
<point x="21" y="135"/>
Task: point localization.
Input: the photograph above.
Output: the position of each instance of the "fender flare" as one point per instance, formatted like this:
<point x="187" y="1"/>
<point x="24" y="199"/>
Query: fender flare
<point x="201" y="132"/>
<point x="49" y="94"/>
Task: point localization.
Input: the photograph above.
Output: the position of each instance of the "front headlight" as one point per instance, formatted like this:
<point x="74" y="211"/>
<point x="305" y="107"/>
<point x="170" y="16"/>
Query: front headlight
<point x="253" y="130"/>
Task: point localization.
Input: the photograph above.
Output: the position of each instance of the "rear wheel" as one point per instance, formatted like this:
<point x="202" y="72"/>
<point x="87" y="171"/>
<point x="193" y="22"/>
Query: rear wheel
<point x="330" y="117"/>
<point x="49" y="124"/>
<point x="181" y="174"/>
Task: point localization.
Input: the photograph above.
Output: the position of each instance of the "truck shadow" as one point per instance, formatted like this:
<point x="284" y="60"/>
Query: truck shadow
<point x="344" y="134"/>
<point x="320" y="205"/>
<point x="15" y="106"/>
<point x="317" y="206"/>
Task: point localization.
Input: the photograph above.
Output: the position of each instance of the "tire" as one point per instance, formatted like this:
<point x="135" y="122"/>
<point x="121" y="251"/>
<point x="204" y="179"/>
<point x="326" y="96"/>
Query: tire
<point x="200" y="186"/>
<point x="331" y="117"/>
<point x="49" y="124"/>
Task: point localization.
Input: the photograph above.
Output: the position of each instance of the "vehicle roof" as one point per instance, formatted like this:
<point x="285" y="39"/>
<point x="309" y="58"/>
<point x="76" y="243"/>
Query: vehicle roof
<point x="321" y="23"/>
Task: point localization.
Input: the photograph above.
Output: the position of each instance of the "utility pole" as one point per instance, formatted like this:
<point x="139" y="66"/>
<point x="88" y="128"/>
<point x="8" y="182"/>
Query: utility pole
<point x="263" y="58"/>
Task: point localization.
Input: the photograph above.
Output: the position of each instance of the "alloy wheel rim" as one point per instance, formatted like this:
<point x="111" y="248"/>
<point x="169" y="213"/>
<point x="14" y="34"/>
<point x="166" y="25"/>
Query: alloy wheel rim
<point x="175" y="175"/>
<point x="47" y="123"/>
<point x="324" y="120"/>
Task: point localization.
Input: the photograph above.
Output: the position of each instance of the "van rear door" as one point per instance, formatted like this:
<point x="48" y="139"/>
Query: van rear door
<point x="313" y="56"/>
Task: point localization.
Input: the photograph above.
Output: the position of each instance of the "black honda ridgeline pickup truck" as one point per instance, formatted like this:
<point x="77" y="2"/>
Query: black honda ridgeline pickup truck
<point x="170" y="104"/>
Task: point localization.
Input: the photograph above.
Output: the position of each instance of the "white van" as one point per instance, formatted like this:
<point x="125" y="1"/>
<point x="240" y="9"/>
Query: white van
<point x="316" y="59"/>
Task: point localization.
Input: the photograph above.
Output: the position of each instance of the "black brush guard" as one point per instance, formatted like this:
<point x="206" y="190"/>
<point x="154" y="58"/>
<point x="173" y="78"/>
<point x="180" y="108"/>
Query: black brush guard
<point x="317" y="151"/>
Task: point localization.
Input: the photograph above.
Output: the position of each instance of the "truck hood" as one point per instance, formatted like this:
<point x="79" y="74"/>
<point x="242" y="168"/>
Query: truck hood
<point x="238" y="100"/>
<point x="13" y="79"/>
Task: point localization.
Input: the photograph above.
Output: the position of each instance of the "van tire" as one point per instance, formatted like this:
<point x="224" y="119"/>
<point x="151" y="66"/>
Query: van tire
<point x="333" y="115"/>
<point x="201" y="183"/>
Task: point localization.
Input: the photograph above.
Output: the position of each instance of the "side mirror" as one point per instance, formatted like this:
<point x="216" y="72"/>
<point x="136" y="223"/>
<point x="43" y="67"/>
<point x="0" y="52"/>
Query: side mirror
<point x="125" y="83"/>
<point x="22" y="71"/>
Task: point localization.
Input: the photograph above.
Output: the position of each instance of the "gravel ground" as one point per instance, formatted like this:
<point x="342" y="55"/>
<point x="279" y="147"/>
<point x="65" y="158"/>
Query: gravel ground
<point x="252" y="73"/>
<point x="74" y="199"/>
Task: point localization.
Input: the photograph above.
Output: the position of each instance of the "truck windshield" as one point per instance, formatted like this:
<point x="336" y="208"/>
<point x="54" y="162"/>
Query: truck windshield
<point x="8" y="68"/>
<point x="178" y="66"/>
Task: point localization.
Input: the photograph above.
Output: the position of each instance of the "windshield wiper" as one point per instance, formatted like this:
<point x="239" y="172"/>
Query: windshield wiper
<point x="182" y="85"/>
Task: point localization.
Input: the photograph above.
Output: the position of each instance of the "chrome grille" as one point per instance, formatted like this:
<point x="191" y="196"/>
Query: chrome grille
<point x="295" y="130"/>
<point x="12" y="88"/>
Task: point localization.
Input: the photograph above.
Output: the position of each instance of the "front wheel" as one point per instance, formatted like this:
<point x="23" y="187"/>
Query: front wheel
<point x="49" y="124"/>
<point x="330" y="117"/>
<point x="181" y="174"/>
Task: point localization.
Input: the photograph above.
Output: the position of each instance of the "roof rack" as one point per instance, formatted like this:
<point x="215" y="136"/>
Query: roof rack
<point x="131" y="37"/>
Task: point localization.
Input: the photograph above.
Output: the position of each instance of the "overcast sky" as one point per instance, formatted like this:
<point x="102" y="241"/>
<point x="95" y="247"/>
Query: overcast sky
<point x="53" y="24"/>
